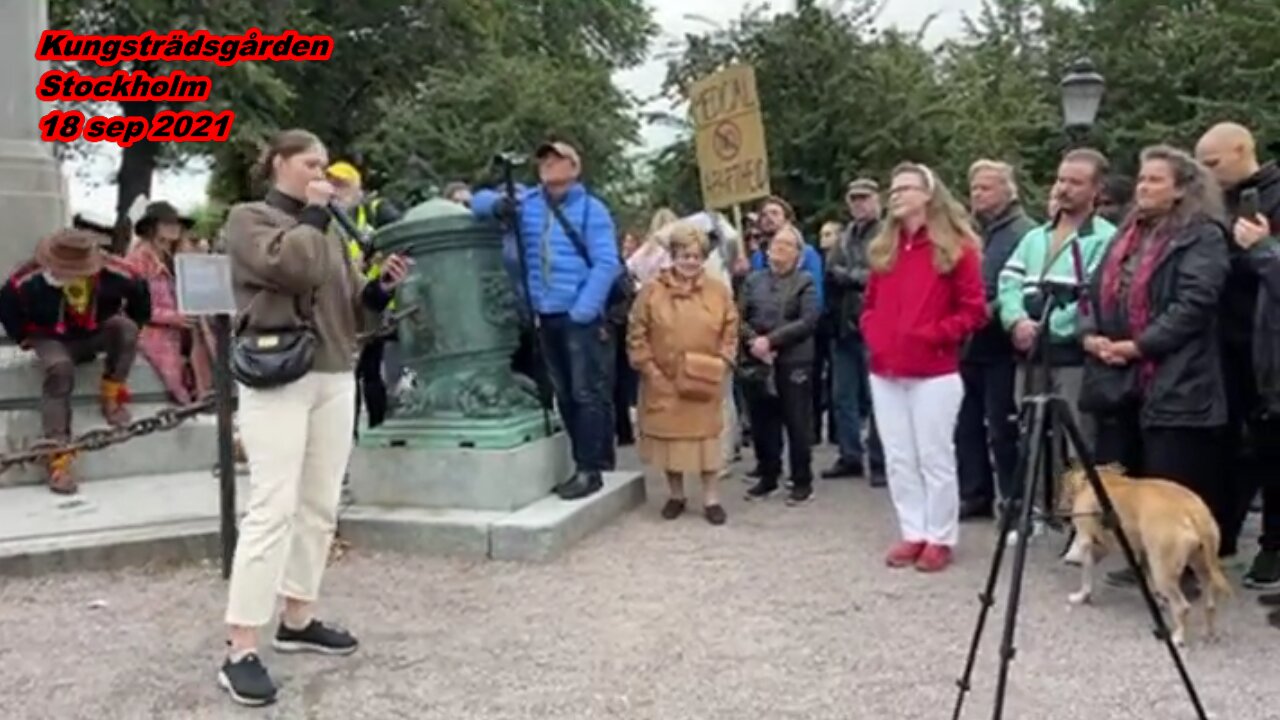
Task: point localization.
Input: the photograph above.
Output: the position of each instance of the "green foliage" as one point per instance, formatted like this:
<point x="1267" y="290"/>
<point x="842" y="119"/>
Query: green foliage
<point x="842" y="99"/>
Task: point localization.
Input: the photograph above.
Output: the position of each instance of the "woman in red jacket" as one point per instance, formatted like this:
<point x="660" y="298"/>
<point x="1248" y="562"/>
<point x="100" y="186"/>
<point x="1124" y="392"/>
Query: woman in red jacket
<point x="924" y="298"/>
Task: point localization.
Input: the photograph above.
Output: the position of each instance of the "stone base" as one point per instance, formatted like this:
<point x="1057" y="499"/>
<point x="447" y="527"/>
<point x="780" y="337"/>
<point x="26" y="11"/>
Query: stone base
<point x="456" y="478"/>
<point x="460" y="432"/>
<point x="31" y="197"/>
<point x="535" y="533"/>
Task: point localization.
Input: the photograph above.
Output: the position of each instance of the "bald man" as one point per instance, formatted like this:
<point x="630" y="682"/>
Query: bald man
<point x="1250" y="342"/>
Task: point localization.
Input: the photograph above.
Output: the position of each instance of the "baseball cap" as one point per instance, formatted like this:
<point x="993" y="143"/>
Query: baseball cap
<point x="863" y="186"/>
<point x="563" y="149"/>
<point x="345" y="172"/>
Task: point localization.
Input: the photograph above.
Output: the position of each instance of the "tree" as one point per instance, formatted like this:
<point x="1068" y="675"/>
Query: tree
<point x="231" y="86"/>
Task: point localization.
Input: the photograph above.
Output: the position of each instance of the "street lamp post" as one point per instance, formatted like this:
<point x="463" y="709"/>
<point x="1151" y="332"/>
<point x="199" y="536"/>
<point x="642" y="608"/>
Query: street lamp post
<point x="1082" y="91"/>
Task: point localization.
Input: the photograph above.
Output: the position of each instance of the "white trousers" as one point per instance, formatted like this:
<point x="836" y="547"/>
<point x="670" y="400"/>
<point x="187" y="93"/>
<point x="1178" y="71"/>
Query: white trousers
<point x="917" y="423"/>
<point x="298" y="439"/>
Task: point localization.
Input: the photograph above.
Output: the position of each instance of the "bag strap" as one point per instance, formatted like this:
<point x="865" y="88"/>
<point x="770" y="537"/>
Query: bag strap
<point x="575" y="237"/>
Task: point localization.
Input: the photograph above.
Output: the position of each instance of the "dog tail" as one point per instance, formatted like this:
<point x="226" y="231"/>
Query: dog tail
<point x="1209" y="556"/>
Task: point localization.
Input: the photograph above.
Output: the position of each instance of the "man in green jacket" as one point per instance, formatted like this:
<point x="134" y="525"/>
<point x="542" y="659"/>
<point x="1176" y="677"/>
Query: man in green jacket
<point x="1064" y="251"/>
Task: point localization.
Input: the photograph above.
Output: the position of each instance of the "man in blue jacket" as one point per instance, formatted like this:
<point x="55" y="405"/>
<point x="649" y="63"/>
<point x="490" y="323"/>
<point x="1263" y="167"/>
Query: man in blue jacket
<point x="775" y="214"/>
<point x="571" y="256"/>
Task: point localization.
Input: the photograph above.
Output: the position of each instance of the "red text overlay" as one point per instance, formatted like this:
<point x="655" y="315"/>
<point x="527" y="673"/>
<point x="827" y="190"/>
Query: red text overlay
<point x="166" y="126"/>
<point x="180" y="45"/>
<point x="121" y="86"/>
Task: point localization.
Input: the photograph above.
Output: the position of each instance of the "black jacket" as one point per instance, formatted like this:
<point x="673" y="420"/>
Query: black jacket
<point x="31" y="307"/>
<point x="1000" y="237"/>
<point x="1240" y="301"/>
<point x="1182" y="335"/>
<point x="1260" y="267"/>
<point x="785" y="308"/>
<point x="846" y="276"/>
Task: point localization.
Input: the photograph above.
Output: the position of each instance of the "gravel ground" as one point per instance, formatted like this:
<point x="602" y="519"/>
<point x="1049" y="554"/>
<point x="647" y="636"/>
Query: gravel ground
<point x="783" y="613"/>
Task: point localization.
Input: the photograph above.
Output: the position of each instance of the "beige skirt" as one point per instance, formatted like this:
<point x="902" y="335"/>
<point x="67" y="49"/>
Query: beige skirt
<point x="683" y="456"/>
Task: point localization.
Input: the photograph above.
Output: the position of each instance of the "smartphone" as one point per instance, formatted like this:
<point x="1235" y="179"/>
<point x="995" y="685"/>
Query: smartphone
<point x="1249" y="208"/>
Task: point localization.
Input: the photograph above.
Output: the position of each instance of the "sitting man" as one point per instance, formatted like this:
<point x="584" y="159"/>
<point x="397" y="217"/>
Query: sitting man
<point x="71" y="302"/>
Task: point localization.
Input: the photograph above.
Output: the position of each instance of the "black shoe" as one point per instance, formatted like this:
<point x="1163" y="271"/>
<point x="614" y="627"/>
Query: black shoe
<point x="762" y="490"/>
<point x="1271" y="601"/>
<point x="715" y="514"/>
<point x="1264" y="574"/>
<point x="247" y="681"/>
<point x="316" y="637"/>
<point x="1273" y="619"/>
<point x="976" y="510"/>
<point x="843" y="470"/>
<point x="580" y="486"/>
<point x="878" y="477"/>
<point x="800" y="495"/>
<point x="673" y="509"/>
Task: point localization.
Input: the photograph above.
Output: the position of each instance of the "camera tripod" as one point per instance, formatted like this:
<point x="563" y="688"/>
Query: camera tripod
<point x="1045" y="419"/>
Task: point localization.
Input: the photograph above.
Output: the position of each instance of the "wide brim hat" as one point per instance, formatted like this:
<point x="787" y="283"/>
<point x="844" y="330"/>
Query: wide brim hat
<point x="70" y="254"/>
<point x="156" y="213"/>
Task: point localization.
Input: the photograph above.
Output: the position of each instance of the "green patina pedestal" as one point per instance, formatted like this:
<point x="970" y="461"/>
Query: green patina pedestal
<point x="460" y="341"/>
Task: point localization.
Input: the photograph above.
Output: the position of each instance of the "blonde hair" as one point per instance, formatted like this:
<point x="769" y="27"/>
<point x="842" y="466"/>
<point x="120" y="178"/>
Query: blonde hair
<point x="946" y="220"/>
<point x="1003" y="170"/>
<point x="683" y="235"/>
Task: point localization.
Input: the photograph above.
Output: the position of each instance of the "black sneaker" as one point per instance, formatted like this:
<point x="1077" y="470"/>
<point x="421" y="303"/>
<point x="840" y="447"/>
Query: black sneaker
<point x="878" y="477"/>
<point x="842" y="470"/>
<point x="1264" y="574"/>
<point x="762" y="490"/>
<point x="1123" y="578"/>
<point x="247" y="681"/>
<point x="799" y="495"/>
<point x="316" y="637"/>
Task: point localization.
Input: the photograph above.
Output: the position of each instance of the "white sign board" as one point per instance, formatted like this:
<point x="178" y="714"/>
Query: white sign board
<point x="204" y="284"/>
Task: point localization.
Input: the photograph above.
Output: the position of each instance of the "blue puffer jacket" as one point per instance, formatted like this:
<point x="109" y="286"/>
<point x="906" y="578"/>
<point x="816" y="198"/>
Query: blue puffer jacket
<point x="573" y="285"/>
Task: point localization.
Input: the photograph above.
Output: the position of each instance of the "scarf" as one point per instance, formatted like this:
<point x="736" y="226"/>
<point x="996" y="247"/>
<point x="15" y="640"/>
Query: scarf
<point x="1137" y="299"/>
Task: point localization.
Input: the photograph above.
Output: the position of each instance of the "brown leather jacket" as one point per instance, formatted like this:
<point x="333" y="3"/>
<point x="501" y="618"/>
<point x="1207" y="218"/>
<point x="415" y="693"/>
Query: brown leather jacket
<point x="668" y="320"/>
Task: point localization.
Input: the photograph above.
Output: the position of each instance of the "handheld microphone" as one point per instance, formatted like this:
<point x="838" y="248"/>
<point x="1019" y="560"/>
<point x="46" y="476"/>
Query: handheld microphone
<point x="1078" y="262"/>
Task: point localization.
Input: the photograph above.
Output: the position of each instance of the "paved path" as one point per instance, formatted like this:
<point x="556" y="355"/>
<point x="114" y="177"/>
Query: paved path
<point x="784" y="613"/>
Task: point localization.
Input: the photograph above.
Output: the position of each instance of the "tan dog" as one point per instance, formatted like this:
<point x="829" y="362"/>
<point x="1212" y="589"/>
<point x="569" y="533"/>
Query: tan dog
<point x="1169" y="528"/>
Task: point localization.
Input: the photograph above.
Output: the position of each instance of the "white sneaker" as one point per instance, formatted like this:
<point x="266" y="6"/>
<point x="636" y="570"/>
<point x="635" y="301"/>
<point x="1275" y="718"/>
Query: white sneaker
<point x="1037" y="529"/>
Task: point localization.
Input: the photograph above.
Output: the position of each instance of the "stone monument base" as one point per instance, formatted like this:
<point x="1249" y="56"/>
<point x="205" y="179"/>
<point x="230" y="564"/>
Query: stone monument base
<point x="475" y="503"/>
<point x="461" y="433"/>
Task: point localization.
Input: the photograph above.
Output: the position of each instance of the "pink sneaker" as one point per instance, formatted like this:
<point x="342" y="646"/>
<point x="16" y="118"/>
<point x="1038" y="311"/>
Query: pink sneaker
<point x="904" y="554"/>
<point x="935" y="558"/>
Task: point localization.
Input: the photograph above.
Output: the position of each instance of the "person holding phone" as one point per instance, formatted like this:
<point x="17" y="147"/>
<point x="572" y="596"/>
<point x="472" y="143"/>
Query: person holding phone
<point x="1250" y="320"/>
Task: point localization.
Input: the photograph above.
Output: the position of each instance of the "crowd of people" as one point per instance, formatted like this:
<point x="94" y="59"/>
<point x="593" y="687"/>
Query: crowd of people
<point x="904" y="336"/>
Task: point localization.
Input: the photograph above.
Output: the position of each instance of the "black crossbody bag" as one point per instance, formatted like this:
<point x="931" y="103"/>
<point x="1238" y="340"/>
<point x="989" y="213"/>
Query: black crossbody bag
<point x="264" y="359"/>
<point x="622" y="293"/>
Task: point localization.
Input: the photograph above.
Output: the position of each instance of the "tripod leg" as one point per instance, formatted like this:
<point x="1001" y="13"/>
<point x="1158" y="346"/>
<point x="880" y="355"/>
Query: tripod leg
<point x="1036" y="433"/>
<point x="1076" y="439"/>
<point x="987" y="598"/>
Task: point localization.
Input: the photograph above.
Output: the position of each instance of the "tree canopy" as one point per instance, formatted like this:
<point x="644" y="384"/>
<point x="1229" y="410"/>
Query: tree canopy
<point x="842" y="98"/>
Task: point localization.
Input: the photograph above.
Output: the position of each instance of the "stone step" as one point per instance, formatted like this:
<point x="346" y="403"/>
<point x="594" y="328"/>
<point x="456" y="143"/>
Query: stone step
<point x="21" y="379"/>
<point x="192" y="446"/>
<point x="173" y="518"/>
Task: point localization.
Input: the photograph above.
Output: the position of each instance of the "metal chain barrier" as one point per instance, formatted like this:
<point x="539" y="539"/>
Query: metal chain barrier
<point x="98" y="439"/>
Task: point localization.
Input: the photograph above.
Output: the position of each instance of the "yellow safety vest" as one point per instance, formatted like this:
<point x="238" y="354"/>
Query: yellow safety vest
<point x="353" y="246"/>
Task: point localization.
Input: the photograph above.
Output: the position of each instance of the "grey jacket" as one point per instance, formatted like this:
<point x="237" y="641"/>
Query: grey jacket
<point x="847" y="274"/>
<point x="1000" y="237"/>
<point x="784" y="308"/>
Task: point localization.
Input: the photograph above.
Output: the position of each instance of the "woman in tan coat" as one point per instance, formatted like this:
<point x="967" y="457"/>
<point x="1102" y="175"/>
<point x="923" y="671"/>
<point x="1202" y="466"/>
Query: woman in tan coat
<point x="681" y="337"/>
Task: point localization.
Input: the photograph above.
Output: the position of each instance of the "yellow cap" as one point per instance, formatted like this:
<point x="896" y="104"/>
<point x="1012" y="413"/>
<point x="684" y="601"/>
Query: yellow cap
<point x="344" y="172"/>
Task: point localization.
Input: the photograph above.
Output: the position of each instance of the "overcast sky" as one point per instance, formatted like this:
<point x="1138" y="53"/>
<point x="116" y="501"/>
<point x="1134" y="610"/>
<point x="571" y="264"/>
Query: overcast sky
<point x="186" y="190"/>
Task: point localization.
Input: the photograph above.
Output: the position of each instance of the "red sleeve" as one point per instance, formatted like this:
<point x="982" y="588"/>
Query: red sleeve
<point x="969" y="301"/>
<point x="868" y="300"/>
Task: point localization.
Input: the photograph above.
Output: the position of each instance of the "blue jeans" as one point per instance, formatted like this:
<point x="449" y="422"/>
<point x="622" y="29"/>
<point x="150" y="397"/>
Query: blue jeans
<point x="851" y="399"/>
<point x="580" y="362"/>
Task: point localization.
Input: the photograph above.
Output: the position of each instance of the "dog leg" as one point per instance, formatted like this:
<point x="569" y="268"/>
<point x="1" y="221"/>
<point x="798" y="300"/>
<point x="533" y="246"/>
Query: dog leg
<point x="1166" y="576"/>
<point x="1085" y="593"/>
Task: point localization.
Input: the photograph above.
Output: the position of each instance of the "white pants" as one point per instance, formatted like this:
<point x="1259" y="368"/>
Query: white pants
<point x="917" y="423"/>
<point x="298" y="439"/>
